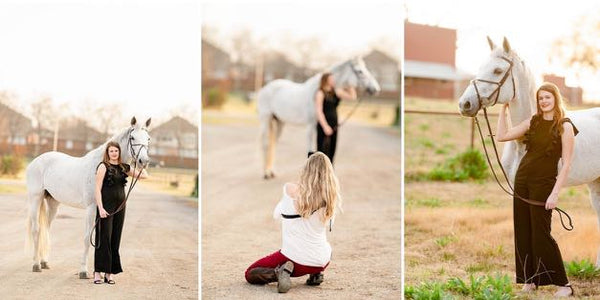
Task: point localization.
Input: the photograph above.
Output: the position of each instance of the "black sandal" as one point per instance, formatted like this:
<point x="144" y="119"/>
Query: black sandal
<point x="98" y="281"/>
<point x="572" y="290"/>
<point x="109" y="281"/>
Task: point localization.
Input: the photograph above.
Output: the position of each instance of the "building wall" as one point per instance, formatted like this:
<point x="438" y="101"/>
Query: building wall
<point x="429" y="88"/>
<point x="429" y="43"/>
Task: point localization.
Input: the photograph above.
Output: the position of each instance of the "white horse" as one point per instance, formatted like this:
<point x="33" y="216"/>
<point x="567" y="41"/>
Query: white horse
<point x="282" y="101"/>
<point x="54" y="178"/>
<point x="585" y="168"/>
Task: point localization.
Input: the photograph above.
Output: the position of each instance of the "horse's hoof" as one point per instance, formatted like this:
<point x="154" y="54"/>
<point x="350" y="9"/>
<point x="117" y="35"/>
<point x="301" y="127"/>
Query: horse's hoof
<point x="83" y="275"/>
<point x="36" y="268"/>
<point x="45" y="265"/>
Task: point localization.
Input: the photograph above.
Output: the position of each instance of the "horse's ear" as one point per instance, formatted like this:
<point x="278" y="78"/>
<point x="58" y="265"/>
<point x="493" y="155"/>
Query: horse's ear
<point x="506" y="45"/>
<point x="133" y="121"/>
<point x="148" y="122"/>
<point x="492" y="46"/>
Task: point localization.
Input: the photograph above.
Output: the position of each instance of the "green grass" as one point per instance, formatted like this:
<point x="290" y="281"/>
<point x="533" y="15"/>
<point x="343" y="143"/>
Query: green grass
<point x="445" y="240"/>
<point x="480" y="267"/>
<point x="427" y="202"/>
<point x="478" y="202"/>
<point x="466" y="165"/>
<point x="583" y="269"/>
<point x="482" y="287"/>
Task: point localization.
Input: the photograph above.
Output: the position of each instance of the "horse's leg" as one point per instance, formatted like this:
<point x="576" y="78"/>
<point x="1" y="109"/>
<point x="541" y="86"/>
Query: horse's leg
<point x="36" y="216"/>
<point x="89" y="223"/>
<point x="311" y="132"/>
<point x="264" y="144"/>
<point x="273" y="134"/>
<point x="52" y="210"/>
<point x="594" y="188"/>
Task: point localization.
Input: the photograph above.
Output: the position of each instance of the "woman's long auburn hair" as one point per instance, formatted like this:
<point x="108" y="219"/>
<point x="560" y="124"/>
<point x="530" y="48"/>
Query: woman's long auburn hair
<point x="324" y="78"/>
<point x="318" y="188"/>
<point x="559" y="110"/>
<point x="106" y="158"/>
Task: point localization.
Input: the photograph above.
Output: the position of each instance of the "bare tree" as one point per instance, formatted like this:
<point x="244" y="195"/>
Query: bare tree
<point x="107" y="118"/>
<point x="45" y="116"/>
<point x="10" y="125"/>
<point x="579" y="49"/>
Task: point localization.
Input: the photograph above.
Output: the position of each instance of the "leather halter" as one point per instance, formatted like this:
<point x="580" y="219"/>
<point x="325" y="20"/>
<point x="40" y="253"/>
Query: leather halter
<point x="499" y="84"/>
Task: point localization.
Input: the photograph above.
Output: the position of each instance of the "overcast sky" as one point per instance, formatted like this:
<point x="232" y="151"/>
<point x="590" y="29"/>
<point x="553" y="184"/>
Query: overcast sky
<point x="530" y="26"/>
<point x="143" y="54"/>
<point x="347" y="28"/>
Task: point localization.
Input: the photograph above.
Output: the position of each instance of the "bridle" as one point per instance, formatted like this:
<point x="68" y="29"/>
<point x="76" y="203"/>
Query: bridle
<point x="499" y="84"/>
<point x="130" y="145"/>
<point x="133" y="183"/>
<point x="496" y="93"/>
<point x="360" y="76"/>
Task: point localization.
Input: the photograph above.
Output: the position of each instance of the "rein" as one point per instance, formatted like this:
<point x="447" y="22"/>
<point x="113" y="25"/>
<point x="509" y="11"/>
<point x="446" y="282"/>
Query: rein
<point x="491" y="135"/>
<point x="133" y="183"/>
<point x="351" y="112"/>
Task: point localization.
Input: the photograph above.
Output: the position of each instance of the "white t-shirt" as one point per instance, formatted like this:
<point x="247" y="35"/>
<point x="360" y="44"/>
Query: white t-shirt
<point x="303" y="239"/>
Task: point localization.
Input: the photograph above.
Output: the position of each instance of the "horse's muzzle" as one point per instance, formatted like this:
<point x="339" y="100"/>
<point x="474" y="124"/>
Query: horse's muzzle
<point x="372" y="90"/>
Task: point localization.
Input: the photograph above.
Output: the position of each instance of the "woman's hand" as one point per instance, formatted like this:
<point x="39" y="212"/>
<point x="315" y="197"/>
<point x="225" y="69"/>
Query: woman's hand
<point x="552" y="201"/>
<point x="103" y="213"/>
<point x="328" y="130"/>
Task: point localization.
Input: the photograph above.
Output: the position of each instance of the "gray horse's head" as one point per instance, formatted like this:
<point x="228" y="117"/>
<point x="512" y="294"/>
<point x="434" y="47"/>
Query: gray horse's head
<point x="355" y="73"/>
<point x="137" y="143"/>
<point x="494" y="82"/>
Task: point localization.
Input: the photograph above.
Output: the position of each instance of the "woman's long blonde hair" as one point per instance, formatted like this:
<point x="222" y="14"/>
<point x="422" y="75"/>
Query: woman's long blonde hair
<point x="318" y="188"/>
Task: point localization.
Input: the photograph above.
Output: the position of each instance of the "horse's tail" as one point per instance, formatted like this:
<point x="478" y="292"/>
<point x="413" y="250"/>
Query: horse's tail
<point x="41" y="220"/>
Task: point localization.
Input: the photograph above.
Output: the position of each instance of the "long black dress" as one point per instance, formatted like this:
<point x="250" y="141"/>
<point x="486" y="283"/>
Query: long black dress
<point x="537" y="256"/>
<point x="326" y="144"/>
<point x="109" y="229"/>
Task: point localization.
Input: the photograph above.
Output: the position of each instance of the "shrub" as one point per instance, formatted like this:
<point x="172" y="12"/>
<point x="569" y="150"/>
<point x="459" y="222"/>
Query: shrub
<point x="427" y="290"/>
<point x="583" y="269"/>
<point x="11" y="165"/>
<point x="481" y="287"/>
<point x="214" y="97"/>
<point x="467" y="165"/>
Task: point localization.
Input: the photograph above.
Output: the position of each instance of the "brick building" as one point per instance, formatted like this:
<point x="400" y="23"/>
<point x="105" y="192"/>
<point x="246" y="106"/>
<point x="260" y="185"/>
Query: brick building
<point x="386" y="71"/>
<point x="429" y="63"/>
<point x="175" y="144"/>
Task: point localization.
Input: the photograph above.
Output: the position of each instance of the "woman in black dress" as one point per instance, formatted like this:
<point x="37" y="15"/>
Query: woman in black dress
<point x="111" y="177"/>
<point x="548" y="136"/>
<point x="326" y="101"/>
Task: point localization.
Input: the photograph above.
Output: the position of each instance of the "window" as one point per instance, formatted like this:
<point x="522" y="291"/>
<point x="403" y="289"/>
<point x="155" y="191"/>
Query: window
<point x="69" y="144"/>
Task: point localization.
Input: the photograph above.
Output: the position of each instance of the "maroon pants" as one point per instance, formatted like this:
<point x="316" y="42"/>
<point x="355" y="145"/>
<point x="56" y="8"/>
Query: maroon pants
<point x="276" y="259"/>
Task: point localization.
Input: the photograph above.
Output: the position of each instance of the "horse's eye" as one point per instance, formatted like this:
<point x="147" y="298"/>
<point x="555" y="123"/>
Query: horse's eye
<point x="497" y="71"/>
<point x="132" y="138"/>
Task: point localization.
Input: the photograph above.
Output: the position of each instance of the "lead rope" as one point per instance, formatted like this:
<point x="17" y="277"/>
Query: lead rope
<point x="529" y="201"/>
<point x="133" y="183"/>
<point x="351" y="112"/>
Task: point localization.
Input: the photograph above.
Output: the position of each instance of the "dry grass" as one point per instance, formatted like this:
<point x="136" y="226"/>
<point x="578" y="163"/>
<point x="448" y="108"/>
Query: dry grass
<point x="163" y="180"/>
<point x="372" y="112"/>
<point x="457" y="229"/>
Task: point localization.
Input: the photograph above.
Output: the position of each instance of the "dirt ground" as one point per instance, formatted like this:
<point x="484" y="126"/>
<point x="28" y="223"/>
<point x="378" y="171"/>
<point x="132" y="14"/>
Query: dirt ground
<point x="159" y="252"/>
<point x="237" y="205"/>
